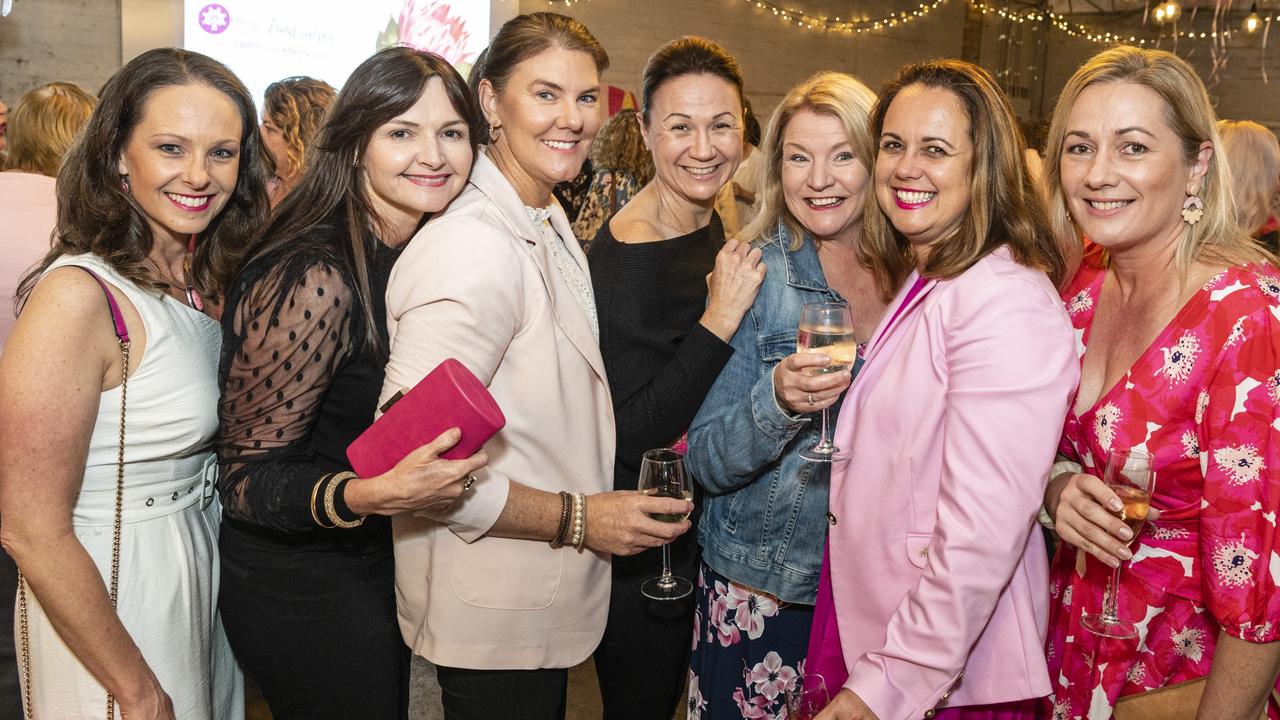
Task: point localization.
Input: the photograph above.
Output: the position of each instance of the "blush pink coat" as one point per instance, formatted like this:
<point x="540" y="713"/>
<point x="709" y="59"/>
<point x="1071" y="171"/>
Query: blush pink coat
<point x="938" y="570"/>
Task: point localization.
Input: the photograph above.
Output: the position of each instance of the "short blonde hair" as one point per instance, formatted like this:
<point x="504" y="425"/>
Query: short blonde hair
<point x="1253" y="153"/>
<point x="1189" y="114"/>
<point x="43" y="126"/>
<point x="827" y="93"/>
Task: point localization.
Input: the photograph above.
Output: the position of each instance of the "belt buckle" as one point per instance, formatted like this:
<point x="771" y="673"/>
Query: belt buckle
<point x="210" y="488"/>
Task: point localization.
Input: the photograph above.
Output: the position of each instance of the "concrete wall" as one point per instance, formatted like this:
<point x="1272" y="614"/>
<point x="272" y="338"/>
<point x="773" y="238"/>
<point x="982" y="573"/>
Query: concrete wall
<point x="81" y="41"/>
<point x="47" y="40"/>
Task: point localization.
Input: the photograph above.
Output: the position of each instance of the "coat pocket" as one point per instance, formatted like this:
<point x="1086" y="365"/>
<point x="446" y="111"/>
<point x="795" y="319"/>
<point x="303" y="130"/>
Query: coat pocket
<point x="918" y="548"/>
<point x="506" y="574"/>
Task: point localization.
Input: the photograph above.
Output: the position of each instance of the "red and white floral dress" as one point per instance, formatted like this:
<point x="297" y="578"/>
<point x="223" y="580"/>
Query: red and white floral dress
<point x="1202" y="400"/>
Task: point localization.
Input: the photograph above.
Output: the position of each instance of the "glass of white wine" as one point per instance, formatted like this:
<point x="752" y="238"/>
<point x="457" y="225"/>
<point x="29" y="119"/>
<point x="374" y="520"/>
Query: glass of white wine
<point x="1130" y="476"/>
<point x="662" y="475"/>
<point x="827" y="329"/>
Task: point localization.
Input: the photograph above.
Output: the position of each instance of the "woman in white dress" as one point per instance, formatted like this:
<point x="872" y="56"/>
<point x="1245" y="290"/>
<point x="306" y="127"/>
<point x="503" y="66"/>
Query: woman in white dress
<point x="158" y="198"/>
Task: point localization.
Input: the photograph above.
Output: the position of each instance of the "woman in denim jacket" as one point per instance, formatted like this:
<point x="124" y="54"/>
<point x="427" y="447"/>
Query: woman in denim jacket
<point x="765" y="517"/>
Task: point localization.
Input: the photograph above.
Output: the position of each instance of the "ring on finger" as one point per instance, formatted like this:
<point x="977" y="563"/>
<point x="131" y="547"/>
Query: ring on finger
<point x="471" y="480"/>
<point x="811" y="400"/>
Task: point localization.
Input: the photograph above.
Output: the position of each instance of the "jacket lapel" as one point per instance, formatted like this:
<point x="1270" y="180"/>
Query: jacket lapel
<point x="564" y="306"/>
<point x="898" y="312"/>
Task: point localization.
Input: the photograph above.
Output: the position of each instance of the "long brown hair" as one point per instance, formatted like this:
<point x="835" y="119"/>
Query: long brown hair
<point x="333" y="191"/>
<point x="1005" y="207"/>
<point x="97" y="215"/>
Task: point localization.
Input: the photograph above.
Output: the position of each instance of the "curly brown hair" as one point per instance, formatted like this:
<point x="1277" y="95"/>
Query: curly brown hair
<point x="297" y="105"/>
<point x="620" y="146"/>
<point x="97" y="215"/>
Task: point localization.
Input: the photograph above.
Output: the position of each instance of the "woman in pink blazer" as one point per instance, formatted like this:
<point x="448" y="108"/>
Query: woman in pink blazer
<point x="935" y="592"/>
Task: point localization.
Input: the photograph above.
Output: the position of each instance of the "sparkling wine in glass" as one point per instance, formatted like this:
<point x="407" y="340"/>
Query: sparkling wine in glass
<point x="1130" y="476"/>
<point x="662" y="475"/>
<point x="806" y="697"/>
<point x="827" y="329"/>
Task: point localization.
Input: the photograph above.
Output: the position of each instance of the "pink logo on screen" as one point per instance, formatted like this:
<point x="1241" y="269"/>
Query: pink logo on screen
<point x="214" y="18"/>
<point x="431" y="25"/>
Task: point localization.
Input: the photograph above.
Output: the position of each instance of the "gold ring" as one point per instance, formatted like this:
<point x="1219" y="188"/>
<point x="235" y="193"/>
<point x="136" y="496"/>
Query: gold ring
<point x="471" y="480"/>
<point x="810" y="398"/>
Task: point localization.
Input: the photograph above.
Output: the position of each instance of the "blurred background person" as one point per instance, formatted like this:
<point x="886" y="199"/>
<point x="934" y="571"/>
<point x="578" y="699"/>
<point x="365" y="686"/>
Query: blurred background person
<point x="306" y="548"/>
<point x="933" y="596"/>
<point x="170" y="158"/>
<point x="664" y="336"/>
<point x="44" y="124"/>
<point x="764" y="517"/>
<point x="508" y="588"/>
<point x="42" y="127"/>
<point x="622" y="165"/>
<point x="4" y="118"/>
<point x="736" y="201"/>
<point x="1253" y="153"/>
<point x="292" y="110"/>
<point x="1177" y="322"/>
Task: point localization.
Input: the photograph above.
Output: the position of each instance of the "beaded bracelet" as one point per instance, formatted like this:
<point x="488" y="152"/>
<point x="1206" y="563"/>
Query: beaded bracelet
<point x="331" y="490"/>
<point x="315" y="491"/>
<point x="579" y="521"/>
<point x="566" y="513"/>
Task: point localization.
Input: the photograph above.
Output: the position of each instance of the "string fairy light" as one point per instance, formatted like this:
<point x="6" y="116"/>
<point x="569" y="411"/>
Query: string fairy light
<point x="851" y="25"/>
<point x="1075" y="29"/>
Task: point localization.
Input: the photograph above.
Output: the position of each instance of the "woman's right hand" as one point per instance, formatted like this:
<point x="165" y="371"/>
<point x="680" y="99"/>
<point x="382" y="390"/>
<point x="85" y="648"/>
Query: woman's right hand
<point x="732" y="288"/>
<point x="1084" y="511"/>
<point x="619" y="522"/>
<point x="151" y="703"/>
<point x="421" y="482"/>
<point x="800" y="392"/>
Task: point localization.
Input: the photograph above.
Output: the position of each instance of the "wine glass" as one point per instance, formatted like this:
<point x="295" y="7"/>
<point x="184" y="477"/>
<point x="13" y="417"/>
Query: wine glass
<point x="806" y="697"/>
<point x="1130" y="476"/>
<point x="827" y="328"/>
<point x="662" y="475"/>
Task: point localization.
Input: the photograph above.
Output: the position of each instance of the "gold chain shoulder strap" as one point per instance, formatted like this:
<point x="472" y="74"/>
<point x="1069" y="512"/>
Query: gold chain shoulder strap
<point x="24" y="637"/>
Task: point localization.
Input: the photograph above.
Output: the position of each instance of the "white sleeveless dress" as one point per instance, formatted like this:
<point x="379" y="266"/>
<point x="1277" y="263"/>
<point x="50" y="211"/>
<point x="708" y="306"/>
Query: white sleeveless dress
<point x="169" y="540"/>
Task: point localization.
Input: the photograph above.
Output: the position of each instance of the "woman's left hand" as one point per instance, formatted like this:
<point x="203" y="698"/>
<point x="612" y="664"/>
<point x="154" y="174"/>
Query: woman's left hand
<point x="846" y="705"/>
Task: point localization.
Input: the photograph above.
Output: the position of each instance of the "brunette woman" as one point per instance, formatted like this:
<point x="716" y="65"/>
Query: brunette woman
<point x="170" y="159"/>
<point x="309" y="597"/>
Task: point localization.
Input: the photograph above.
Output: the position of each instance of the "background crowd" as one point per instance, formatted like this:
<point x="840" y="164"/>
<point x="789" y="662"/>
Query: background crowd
<point x="212" y="304"/>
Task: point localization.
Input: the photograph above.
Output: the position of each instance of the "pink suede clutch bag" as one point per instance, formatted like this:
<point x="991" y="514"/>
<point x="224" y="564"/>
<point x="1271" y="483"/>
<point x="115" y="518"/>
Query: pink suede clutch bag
<point x="449" y="396"/>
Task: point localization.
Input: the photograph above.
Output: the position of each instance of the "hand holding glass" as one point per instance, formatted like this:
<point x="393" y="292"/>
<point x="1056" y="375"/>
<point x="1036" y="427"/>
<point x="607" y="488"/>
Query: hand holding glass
<point x="662" y="475"/>
<point x="827" y="329"/>
<point x="806" y="697"/>
<point x="1130" y="476"/>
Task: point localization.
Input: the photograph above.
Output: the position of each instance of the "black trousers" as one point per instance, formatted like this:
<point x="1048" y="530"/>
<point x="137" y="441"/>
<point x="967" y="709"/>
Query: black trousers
<point x="507" y="694"/>
<point x="10" y="697"/>
<point x="643" y="659"/>
<point x="315" y="627"/>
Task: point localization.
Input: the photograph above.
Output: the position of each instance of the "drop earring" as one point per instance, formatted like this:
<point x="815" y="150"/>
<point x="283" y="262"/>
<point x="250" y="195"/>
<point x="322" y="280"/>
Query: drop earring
<point x="124" y="183"/>
<point x="1192" y="209"/>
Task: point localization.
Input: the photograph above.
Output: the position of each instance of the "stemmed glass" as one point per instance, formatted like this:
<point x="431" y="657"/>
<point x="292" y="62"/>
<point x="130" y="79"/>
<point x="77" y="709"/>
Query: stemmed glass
<point x="662" y="475"/>
<point x="806" y="697"/>
<point x="827" y="328"/>
<point x="1130" y="476"/>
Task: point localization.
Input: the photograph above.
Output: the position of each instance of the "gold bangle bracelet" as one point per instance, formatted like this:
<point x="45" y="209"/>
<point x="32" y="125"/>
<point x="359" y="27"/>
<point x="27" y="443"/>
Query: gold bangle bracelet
<point x="330" y="491"/>
<point x="315" y="491"/>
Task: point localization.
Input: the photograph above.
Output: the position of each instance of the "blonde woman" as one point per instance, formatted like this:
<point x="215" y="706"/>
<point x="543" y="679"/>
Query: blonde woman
<point x="291" y="113"/>
<point x="1175" y="314"/>
<point x="764" y="514"/>
<point x="1254" y="156"/>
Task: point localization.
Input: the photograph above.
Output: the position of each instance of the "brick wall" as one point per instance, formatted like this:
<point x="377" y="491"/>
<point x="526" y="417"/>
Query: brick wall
<point x="47" y="40"/>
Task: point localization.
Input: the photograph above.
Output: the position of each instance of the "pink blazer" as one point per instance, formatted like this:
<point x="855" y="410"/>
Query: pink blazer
<point x="938" y="572"/>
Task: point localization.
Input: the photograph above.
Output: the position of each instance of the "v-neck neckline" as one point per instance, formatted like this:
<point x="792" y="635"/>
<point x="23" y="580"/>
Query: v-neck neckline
<point x="1161" y="339"/>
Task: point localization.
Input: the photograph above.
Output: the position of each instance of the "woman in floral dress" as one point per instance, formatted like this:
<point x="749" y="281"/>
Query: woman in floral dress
<point x="1175" y="314"/>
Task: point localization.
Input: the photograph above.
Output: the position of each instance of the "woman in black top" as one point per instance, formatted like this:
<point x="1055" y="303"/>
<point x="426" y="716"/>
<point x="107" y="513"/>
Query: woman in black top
<point x="307" y="594"/>
<point x="664" y="331"/>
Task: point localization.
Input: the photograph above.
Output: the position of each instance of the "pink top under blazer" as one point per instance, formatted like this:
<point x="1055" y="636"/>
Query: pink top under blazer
<point x="940" y="583"/>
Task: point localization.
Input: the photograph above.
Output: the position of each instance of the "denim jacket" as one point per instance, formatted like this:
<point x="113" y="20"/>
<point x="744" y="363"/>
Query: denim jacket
<point x="764" y="517"/>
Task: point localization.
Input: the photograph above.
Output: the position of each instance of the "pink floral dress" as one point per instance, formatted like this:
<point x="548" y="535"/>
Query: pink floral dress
<point x="1202" y="400"/>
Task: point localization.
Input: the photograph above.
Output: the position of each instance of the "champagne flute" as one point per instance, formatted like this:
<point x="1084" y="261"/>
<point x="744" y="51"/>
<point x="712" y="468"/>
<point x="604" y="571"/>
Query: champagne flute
<point x="827" y="328"/>
<point x="806" y="697"/>
<point x="1130" y="476"/>
<point x="662" y="475"/>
